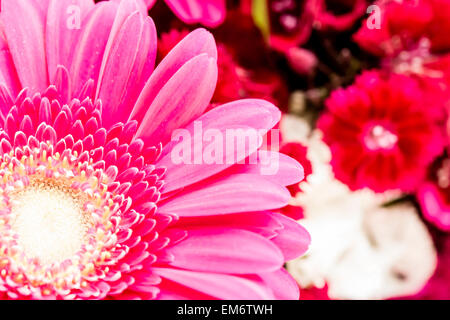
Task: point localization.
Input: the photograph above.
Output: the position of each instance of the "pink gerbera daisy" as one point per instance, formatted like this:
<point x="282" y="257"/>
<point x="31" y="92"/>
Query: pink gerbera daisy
<point x="381" y="133"/>
<point x="92" y="205"/>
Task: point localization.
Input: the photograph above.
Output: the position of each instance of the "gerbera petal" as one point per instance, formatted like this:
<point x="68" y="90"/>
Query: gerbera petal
<point x="170" y="290"/>
<point x="220" y="286"/>
<point x="233" y="194"/>
<point x="274" y="166"/>
<point x="244" y="117"/>
<point x="125" y="9"/>
<point x="282" y="284"/>
<point x="226" y="250"/>
<point x="194" y="84"/>
<point x="149" y="3"/>
<point x="42" y="5"/>
<point x="24" y="30"/>
<point x="293" y="240"/>
<point x="8" y="73"/>
<point x="210" y="13"/>
<point x="263" y="223"/>
<point x="196" y="43"/>
<point x="62" y="33"/>
<point x="91" y="45"/>
<point x="128" y="65"/>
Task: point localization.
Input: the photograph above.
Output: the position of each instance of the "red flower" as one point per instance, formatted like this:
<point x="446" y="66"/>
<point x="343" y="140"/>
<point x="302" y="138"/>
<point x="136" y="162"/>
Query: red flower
<point x="380" y="133"/>
<point x="402" y="24"/>
<point x="298" y="152"/>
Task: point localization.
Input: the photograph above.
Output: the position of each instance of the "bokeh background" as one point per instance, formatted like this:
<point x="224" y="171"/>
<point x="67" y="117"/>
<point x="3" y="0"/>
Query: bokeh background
<point x="363" y="86"/>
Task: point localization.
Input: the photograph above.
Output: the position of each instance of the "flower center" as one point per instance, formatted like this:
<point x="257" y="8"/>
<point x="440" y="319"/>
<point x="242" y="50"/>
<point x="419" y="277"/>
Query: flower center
<point x="49" y="222"/>
<point x="378" y="137"/>
<point x="58" y="222"/>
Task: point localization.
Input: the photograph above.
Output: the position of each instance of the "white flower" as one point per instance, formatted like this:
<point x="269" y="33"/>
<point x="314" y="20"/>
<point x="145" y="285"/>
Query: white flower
<point x="361" y="249"/>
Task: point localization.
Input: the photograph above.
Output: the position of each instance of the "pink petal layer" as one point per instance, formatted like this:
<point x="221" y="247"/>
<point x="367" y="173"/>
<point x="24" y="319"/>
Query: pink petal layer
<point x="24" y="30"/>
<point x="252" y="116"/>
<point x="263" y="223"/>
<point x="128" y="66"/>
<point x="62" y="31"/>
<point x="282" y="284"/>
<point x="197" y="42"/>
<point x="225" y="250"/>
<point x="290" y="237"/>
<point x="91" y="46"/>
<point x="125" y="9"/>
<point x="220" y="286"/>
<point x="274" y="166"/>
<point x="169" y="290"/>
<point x="149" y="3"/>
<point x="233" y="194"/>
<point x="293" y="240"/>
<point x="210" y="13"/>
<point x="8" y="73"/>
<point x="184" y="97"/>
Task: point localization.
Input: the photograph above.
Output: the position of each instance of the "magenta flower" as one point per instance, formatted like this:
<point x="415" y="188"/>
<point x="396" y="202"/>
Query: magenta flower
<point x="402" y="25"/>
<point x="210" y="13"/>
<point x="434" y="196"/>
<point x="380" y="134"/>
<point x="93" y="206"/>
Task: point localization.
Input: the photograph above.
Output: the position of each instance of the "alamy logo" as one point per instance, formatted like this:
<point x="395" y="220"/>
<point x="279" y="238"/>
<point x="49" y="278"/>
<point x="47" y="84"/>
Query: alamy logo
<point x="374" y="20"/>
<point x="226" y="146"/>
<point x="73" y="21"/>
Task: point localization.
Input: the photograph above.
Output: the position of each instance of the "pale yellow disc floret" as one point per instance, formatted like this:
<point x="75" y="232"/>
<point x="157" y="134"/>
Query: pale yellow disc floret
<point x="49" y="223"/>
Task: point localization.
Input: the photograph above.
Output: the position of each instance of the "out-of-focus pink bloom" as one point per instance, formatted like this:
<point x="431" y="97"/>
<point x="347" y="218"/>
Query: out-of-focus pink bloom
<point x="327" y="19"/>
<point x="210" y="13"/>
<point x="251" y="54"/>
<point x="264" y="84"/>
<point x="434" y="196"/>
<point x="234" y="81"/>
<point x="291" y="22"/>
<point x="431" y="71"/>
<point x="380" y="134"/>
<point x="403" y="24"/>
<point x="435" y="204"/>
<point x="86" y="132"/>
<point x="301" y="60"/>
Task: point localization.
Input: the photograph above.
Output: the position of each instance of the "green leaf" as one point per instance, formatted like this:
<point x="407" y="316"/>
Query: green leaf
<point x="260" y="16"/>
